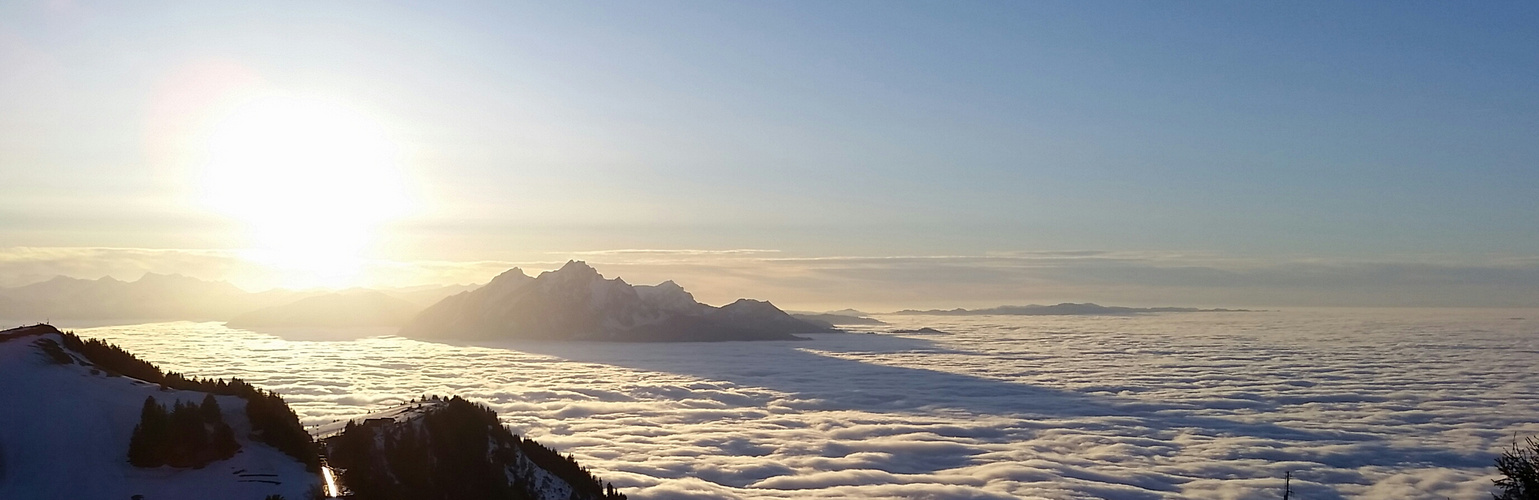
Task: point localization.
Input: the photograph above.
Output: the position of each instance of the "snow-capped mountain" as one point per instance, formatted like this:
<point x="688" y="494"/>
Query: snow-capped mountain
<point x="450" y="448"/>
<point x="71" y="414"/>
<point x="577" y="303"/>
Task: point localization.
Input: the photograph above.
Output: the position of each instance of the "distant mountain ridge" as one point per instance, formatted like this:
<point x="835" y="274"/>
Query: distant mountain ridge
<point x="167" y="297"/>
<point x="577" y="303"/>
<point x="1063" y="309"/>
<point x="153" y="296"/>
<point x="836" y="318"/>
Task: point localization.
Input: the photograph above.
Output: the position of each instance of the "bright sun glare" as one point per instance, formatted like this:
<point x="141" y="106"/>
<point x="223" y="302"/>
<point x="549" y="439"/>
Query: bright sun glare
<point x="312" y="181"/>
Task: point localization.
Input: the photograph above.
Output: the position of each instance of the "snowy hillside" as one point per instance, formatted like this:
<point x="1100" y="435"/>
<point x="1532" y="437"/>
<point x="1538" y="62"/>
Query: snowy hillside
<point x="68" y="422"/>
<point x="577" y="303"/>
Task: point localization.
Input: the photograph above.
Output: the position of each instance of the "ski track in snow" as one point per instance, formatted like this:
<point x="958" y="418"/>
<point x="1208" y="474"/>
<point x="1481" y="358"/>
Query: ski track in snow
<point x="1356" y="403"/>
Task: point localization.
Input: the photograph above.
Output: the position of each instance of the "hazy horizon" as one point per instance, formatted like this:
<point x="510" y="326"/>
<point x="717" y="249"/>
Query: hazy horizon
<point x="768" y="289"/>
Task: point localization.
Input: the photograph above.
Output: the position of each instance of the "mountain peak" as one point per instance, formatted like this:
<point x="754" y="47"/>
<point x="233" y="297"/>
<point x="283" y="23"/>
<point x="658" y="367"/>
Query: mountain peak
<point x="669" y="296"/>
<point x="751" y="307"/>
<point x="577" y="267"/>
<point x="66" y="279"/>
<point x="750" y="303"/>
<point x="515" y="275"/>
<point x="575" y="302"/>
<point x="575" y="271"/>
<point x="169" y="278"/>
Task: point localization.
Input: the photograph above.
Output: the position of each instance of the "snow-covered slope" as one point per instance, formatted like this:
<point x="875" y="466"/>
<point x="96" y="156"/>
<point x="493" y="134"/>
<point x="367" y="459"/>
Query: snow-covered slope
<point x="66" y="423"/>
<point x="450" y="448"/>
<point x="577" y="303"/>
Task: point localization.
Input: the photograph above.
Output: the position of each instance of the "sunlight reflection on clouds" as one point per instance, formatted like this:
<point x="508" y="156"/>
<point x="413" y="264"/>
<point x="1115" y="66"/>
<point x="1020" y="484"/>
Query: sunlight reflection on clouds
<point x="1368" y="404"/>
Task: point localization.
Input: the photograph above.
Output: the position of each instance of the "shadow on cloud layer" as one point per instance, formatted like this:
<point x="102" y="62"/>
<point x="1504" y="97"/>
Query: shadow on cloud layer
<point x="1355" y="404"/>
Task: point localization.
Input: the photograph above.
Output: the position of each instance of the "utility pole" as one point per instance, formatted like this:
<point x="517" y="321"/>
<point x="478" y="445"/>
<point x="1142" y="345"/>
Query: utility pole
<point x="1287" y="487"/>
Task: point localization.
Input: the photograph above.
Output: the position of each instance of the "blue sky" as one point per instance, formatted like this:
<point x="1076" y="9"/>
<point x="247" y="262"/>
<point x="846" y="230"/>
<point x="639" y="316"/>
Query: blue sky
<point x="1272" y="133"/>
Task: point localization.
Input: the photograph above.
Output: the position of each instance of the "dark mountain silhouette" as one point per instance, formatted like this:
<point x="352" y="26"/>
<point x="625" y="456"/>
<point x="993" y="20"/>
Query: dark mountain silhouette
<point x="452" y="448"/>
<point x="836" y="319"/>
<point x="577" y="303"/>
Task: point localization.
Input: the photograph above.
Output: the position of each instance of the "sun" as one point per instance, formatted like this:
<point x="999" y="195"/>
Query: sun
<point x="312" y="181"/>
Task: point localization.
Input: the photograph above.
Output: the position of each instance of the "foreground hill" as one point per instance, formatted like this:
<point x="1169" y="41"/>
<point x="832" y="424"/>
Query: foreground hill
<point x="343" y="309"/>
<point x="451" y="448"/>
<point x="87" y="420"/>
<point x="71" y="412"/>
<point x="577" y="303"/>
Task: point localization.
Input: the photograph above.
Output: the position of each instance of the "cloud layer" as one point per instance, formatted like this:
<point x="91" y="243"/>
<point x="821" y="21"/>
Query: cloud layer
<point x="1363" y="404"/>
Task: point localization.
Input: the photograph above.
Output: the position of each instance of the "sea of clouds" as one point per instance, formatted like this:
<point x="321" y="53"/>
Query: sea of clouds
<point x="1354" y="403"/>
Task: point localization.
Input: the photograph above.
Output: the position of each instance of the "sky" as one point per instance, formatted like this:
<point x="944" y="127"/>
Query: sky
<point x="818" y="154"/>
<point x="1410" y="405"/>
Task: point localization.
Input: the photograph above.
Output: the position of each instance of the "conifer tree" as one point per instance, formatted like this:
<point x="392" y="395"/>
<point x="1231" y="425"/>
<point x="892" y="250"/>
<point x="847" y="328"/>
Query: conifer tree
<point x="210" y="410"/>
<point x="1520" y="472"/>
<point x="146" y="447"/>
